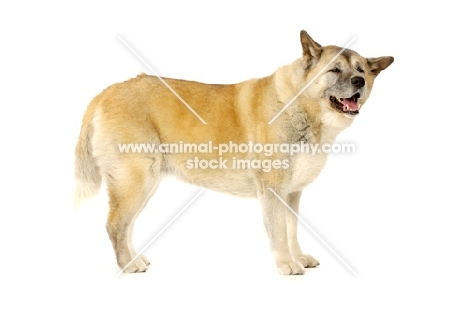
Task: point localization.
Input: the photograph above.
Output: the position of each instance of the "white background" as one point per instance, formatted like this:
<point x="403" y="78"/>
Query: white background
<point x="395" y="210"/>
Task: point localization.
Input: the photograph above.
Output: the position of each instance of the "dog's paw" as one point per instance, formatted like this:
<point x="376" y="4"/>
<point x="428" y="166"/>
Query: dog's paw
<point x="292" y="267"/>
<point x="138" y="265"/>
<point x="144" y="259"/>
<point x="307" y="261"/>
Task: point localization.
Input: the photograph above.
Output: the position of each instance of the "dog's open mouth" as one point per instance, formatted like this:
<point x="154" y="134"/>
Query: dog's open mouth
<point x="346" y="105"/>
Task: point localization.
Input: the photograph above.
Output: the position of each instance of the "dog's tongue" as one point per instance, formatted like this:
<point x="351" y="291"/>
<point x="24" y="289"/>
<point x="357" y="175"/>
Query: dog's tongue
<point x="349" y="105"/>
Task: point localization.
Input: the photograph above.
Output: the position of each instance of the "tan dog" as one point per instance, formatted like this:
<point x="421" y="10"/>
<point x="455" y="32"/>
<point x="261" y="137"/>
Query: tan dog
<point x="145" y="111"/>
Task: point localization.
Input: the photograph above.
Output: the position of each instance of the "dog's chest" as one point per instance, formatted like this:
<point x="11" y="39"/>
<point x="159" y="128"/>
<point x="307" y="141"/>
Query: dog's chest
<point x="305" y="168"/>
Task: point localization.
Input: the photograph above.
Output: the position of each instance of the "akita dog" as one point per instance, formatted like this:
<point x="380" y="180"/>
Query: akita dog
<point x="322" y="92"/>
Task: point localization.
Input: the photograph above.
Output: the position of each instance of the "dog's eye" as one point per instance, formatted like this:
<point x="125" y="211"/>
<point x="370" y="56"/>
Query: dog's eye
<point x="335" y="70"/>
<point x="360" y="69"/>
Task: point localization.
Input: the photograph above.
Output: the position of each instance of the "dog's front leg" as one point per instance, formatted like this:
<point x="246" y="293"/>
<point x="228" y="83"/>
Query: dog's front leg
<point x="306" y="260"/>
<point x="274" y="218"/>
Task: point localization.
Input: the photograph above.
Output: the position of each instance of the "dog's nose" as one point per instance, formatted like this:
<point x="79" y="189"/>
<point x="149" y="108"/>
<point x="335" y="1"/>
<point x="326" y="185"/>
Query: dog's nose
<point x="358" y="81"/>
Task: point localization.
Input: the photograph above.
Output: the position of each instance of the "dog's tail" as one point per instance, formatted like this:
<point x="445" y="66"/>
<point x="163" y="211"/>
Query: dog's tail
<point x="87" y="175"/>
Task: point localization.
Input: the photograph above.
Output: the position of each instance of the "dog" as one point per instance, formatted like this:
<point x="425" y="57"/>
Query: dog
<point x="309" y="101"/>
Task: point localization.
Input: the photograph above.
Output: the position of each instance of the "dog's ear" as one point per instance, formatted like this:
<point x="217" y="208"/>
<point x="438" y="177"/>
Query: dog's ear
<point x="311" y="50"/>
<point x="376" y="65"/>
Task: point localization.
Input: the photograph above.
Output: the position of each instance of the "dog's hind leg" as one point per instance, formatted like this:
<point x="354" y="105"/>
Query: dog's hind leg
<point x="130" y="187"/>
<point x="306" y="260"/>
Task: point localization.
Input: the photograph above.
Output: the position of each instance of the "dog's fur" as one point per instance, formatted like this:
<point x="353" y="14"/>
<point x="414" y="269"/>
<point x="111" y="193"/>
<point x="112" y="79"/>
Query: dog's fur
<point x="144" y="110"/>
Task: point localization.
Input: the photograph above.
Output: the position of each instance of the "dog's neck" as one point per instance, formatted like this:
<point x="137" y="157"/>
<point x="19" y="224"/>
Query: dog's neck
<point x="305" y="119"/>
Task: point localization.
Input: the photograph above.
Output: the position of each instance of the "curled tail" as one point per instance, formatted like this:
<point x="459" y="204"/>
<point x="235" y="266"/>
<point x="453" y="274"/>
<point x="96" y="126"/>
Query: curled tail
<point x="87" y="175"/>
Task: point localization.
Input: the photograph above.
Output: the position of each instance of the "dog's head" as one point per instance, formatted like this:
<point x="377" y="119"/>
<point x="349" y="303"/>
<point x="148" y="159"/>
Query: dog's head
<point x="342" y="79"/>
